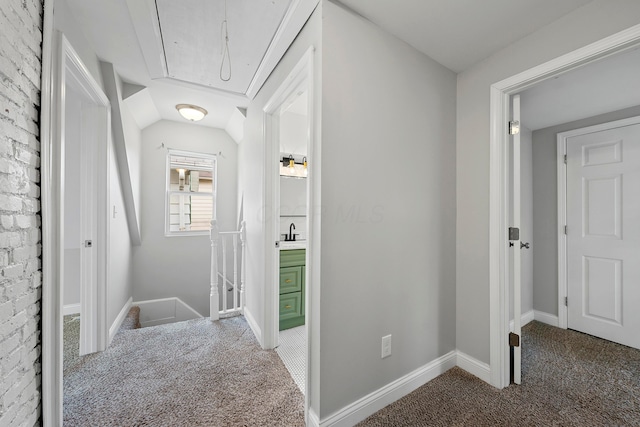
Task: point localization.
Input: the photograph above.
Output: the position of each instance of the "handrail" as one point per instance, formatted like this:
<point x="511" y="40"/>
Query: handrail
<point x="219" y="239"/>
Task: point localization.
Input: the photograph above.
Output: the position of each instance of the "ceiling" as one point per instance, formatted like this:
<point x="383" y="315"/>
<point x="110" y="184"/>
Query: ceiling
<point x="191" y="32"/>
<point x="459" y="33"/>
<point x="173" y="48"/>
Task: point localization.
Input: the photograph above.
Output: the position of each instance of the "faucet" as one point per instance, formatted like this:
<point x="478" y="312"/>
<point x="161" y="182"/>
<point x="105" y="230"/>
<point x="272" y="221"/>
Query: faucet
<point x="292" y="237"/>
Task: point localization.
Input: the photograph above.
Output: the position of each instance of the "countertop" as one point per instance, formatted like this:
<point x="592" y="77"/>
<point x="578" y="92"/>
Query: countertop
<point x="299" y="244"/>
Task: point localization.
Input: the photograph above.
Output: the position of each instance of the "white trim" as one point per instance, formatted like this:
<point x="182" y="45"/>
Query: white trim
<point x="524" y="319"/>
<point x="253" y="325"/>
<point x="51" y="295"/>
<point x="70" y="309"/>
<point x="562" y="137"/>
<point x="562" y="238"/>
<point x="473" y="366"/>
<point x="115" y="326"/>
<point x="549" y="319"/>
<point x="296" y="16"/>
<point x="312" y="419"/>
<point x="498" y="209"/>
<point x="373" y="402"/>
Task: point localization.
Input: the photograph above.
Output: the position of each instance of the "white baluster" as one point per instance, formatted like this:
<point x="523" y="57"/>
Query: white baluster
<point x="214" y="297"/>
<point x="235" y="271"/>
<point x="224" y="275"/>
<point x="243" y="239"/>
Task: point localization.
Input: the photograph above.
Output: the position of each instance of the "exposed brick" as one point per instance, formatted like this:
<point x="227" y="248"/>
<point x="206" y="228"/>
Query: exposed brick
<point x="6" y="221"/>
<point x="13" y="271"/>
<point x="20" y="265"/>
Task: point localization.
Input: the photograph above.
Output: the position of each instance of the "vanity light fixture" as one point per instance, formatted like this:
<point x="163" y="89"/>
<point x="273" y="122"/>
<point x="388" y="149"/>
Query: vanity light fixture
<point x="292" y="163"/>
<point x="293" y="168"/>
<point x="191" y="112"/>
<point x="304" y="163"/>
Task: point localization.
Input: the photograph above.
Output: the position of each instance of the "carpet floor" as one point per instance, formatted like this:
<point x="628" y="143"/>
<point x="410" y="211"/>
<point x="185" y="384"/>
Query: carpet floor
<point x="194" y="373"/>
<point x="568" y="379"/>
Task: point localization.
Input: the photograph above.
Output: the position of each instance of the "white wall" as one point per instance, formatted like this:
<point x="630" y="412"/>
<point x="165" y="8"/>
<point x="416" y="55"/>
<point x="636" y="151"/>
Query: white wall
<point x="545" y="206"/>
<point x="180" y="266"/>
<point x="255" y="209"/>
<point x="293" y="133"/>
<point x="577" y="29"/>
<point x="388" y="220"/>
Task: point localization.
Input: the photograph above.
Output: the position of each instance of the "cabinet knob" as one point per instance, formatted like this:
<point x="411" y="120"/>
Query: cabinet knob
<point x="287" y="281"/>
<point x="287" y="306"/>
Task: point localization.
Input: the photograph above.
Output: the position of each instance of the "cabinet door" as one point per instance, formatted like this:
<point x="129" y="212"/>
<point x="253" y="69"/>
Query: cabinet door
<point x="290" y="279"/>
<point x="290" y="305"/>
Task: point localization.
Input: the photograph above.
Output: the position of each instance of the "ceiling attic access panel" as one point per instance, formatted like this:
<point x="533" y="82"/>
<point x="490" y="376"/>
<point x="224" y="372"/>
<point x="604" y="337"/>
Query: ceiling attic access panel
<point x="192" y="38"/>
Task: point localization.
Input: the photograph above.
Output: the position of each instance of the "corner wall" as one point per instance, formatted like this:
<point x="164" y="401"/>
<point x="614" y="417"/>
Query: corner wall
<point x="588" y="24"/>
<point x="388" y="208"/>
<point x="20" y="230"/>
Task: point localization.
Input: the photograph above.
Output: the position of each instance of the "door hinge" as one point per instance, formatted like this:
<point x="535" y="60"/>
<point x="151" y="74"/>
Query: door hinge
<point x="565" y="159"/>
<point x="514" y="127"/>
<point x="514" y="340"/>
<point x="565" y="229"/>
<point x="566" y="301"/>
<point x="514" y="233"/>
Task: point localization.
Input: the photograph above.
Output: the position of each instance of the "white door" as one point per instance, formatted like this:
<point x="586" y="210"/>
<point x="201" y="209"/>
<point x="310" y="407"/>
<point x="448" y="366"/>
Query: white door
<point x="516" y="249"/>
<point x="603" y="234"/>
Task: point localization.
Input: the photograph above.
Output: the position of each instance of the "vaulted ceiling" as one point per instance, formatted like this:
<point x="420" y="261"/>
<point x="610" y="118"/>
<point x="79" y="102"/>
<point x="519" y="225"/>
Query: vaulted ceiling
<point x="174" y="48"/>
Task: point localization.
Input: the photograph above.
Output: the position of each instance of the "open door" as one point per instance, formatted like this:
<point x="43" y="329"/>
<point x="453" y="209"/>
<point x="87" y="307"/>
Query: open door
<point x="515" y="340"/>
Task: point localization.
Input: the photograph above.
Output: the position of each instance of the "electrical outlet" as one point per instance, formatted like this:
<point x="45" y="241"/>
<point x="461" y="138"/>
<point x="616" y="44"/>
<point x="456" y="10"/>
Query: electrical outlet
<point x="386" y="346"/>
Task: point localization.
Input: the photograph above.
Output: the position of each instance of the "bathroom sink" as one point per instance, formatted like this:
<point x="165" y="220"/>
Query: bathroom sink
<point x="298" y="244"/>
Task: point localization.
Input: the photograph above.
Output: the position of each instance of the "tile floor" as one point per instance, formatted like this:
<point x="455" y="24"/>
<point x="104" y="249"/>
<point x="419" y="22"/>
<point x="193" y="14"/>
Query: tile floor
<point x="292" y="351"/>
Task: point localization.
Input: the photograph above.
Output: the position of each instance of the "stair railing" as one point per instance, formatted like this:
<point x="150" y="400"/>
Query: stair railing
<point x="220" y="244"/>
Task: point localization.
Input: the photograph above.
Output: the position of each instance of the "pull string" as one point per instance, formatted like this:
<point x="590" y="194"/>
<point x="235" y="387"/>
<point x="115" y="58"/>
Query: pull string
<point x="226" y="56"/>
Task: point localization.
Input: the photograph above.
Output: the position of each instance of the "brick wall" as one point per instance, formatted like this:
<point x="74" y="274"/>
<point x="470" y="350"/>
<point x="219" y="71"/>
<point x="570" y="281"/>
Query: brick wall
<point x="20" y="248"/>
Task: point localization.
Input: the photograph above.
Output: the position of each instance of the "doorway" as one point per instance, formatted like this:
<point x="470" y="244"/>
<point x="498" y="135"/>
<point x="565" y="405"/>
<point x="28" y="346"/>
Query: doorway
<point x="290" y="242"/>
<point x="75" y="152"/>
<point x="500" y="269"/>
<point x="293" y="233"/>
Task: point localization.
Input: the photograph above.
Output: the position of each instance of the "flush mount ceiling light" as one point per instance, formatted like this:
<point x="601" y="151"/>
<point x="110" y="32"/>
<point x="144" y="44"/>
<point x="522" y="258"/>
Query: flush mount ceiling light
<point x="191" y="112"/>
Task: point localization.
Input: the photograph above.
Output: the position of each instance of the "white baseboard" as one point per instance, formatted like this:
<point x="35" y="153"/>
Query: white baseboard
<point x="312" y="419"/>
<point x="473" y="366"/>
<point x="547" y="318"/>
<point x="161" y="311"/>
<point x="119" y="318"/>
<point x="253" y="325"/>
<point x="373" y="402"/>
<point x="70" y="309"/>
<point x="524" y="319"/>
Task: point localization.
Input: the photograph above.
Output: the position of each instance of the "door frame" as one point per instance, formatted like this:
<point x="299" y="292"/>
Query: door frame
<point x="61" y="64"/>
<point x="563" y="250"/>
<point x="301" y="77"/>
<point x="499" y="269"/>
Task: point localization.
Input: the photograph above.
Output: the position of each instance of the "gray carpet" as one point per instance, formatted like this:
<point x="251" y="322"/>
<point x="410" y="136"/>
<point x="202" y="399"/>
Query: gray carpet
<point x="568" y="379"/>
<point x="194" y="373"/>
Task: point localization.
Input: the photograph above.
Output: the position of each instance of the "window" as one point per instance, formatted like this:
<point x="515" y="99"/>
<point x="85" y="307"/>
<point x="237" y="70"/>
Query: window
<point x="191" y="191"/>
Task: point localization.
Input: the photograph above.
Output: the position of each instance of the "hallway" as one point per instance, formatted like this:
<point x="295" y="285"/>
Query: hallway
<point x="183" y="374"/>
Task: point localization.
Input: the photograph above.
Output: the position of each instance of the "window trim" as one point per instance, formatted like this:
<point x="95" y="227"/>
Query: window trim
<point x="168" y="192"/>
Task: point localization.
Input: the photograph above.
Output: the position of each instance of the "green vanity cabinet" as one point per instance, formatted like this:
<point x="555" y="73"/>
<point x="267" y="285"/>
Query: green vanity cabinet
<point x="292" y="289"/>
